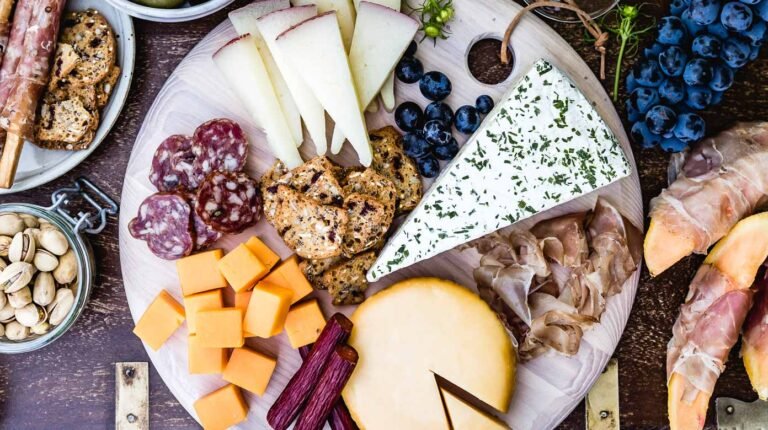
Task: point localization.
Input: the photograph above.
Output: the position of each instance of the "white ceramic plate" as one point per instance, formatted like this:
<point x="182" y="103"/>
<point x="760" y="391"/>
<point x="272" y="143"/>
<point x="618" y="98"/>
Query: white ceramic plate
<point x="38" y="166"/>
<point x="185" y="12"/>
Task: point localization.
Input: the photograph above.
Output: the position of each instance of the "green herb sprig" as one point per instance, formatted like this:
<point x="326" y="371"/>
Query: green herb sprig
<point x="434" y="16"/>
<point x="622" y="22"/>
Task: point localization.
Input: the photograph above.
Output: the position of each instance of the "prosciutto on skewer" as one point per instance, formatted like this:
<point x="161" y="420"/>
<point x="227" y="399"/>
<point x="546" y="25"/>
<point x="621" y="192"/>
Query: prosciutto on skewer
<point x="15" y="47"/>
<point x="720" y="181"/>
<point x="754" y="341"/>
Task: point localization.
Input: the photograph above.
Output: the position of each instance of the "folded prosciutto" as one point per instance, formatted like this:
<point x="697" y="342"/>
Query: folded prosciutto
<point x="754" y="341"/>
<point x="718" y="183"/>
<point x="551" y="283"/>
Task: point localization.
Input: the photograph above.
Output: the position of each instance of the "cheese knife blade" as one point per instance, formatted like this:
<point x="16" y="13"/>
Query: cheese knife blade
<point x="733" y="414"/>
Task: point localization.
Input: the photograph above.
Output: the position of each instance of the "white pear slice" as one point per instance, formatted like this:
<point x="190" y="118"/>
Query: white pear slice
<point x="244" y="21"/>
<point x="345" y="14"/>
<point x="271" y="26"/>
<point x="381" y="37"/>
<point x="316" y="50"/>
<point x="240" y="63"/>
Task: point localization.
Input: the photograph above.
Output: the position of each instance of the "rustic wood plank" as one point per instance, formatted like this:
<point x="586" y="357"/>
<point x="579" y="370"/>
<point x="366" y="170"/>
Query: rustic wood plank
<point x="132" y="396"/>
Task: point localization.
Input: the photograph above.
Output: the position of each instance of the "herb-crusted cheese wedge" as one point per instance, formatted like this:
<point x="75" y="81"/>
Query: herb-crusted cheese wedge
<point x="543" y="145"/>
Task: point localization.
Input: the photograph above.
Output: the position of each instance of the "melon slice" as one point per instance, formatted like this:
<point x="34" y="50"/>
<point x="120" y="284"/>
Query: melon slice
<point x="664" y="247"/>
<point x="684" y="415"/>
<point x="741" y="252"/>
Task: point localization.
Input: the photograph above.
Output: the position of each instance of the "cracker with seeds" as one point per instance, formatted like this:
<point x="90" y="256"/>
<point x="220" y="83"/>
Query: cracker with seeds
<point x="390" y="161"/>
<point x="346" y="281"/>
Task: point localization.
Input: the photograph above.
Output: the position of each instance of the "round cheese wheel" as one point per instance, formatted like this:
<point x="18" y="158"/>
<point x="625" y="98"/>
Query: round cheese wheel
<point x="413" y="330"/>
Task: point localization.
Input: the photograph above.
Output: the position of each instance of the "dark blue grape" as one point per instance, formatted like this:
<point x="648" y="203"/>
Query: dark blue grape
<point x="704" y="12"/>
<point x="467" y="119"/>
<point x="690" y="127"/>
<point x="676" y="7"/>
<point x="722" y="77"/>
<point x="435" y="86"/>
<point x="409" y="70"/>
<point x="428" y="166"/>
<point x="660" y="119"/>
<point x="439" y="111"/>
<point x="672" y="60"/>
<point x="672" y="31"/>
<point x="409" y="116"/>
<point x="653" y="51"/>
<point x="672" y="144"/>
<point x="642" y="99"/>
<point x="484" y="104"/>
<point x="756" y="33"/>
<point x="415" y="146"/>
<point x="736" y="16"/>
<point x="692" y="26"/>
<point x="642" y="136"/>
<point x="718" y="30"/>
<point x="411" y="50"/>
<point x="447" y="152"/>
<point x="672" y="91"/>
<point x="698" y="98"/>
<point x="632" y="113"/>
<point x="631" y="81"/>
<point x="735" y="52"/>
<point x="697" y="72"/>
<point x="436" y="132"/>
<point x="648" y="73"/>
<point x="706" y="46"/>
<point x="762" y="10"/>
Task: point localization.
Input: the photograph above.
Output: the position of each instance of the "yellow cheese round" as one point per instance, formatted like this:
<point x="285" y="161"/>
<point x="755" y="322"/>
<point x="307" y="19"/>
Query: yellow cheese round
<point x="412" y="329"/>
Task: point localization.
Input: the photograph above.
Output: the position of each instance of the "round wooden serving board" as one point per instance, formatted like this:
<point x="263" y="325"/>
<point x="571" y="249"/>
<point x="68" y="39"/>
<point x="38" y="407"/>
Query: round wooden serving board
<point x="549" y="387"/>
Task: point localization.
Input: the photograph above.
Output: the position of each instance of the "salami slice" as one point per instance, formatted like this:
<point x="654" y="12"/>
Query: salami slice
<point x="164" y="221"/>
<point x="173" y="166"/>
<point x="229" y="202"/>
<point x="220" y="145"/>
<point x="205" y="236"/>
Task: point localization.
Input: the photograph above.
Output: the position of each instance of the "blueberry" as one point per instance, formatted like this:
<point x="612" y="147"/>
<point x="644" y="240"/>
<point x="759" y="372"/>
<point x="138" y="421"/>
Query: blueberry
<point x="762" y="10"/>
<point x="672" y="60"/>
<point x="632" y="113"/>
<point x="409" y="117"/>
<point x="676" y="7"/>
<point x="435" y="86"/>
<point x="722" y="77"/>
<point x="648" y="73"/>
<point x="750" y="1"/>
<point x="756" y="33"/>
<point x="484" y="104"/>
<point x="718" y="30"/>
<point x="690" y="127"/>
<point x="697" y="72"/>
<point x="631" y="82"/>
<point x="653" y="51"/>
<point x="735" y="52"/>
<point x="409" y="70"/>
<point x="660" y="119"/>
<point x="754" y="53"/>
<point x="692" y="26"/>
<point x="410" y="51"/>
<point x="642" y="99"/>
<point x="447" y="152"/>
<point x="672" y="31"/>
<point x="415" y="146"/>
<point x="698" y="97"/>
<point x="428" y="166"/>
<point x="436" y="132"/>
<point x="736" y="16"/>
<point x="707" y="46"/>
<point x="642" y="136"/>
<point x="439" y="111"/>
<point x="672" y="91"/>
<point x="467" y="119"/>
<point x="672" y="144"/>
<point x="704" y="12"/>
<point x="717" y="97"/>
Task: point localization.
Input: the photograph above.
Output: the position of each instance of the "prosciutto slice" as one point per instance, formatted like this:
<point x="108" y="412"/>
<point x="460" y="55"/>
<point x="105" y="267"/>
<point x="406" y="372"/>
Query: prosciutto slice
<point x="15" y="46"/>
<point x="754" y="342"/>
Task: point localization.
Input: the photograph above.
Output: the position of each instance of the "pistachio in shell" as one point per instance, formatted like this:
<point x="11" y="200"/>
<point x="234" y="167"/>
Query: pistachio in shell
<point x="20" y="298"/>
<point x="2" y="329"/>
<point x="3" y="264"/>
<point x="41" y="328"/>
<point x="7" y="313"/>
<point x="52" y="239"/>
<point x="16" y="276"/>
<point x="5" y="245"/>
<point x="44" y="260"/>
<point x="10" y="224"/>
<point x="30" y="315"/>
<point x="44" y="289"/>
<point x="66" y="271"/>
<point x="22" y="248"/>
<point x="3" y="300"/>
<point x="16" y="331"/>
<point x="62" y="304"/>
<point x="35" y="232"/>
<point x="30" y="220"/>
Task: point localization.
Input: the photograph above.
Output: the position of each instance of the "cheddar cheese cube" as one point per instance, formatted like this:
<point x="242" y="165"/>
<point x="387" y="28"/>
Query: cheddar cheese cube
<point x="267" y="310"/>
<point x="204" y="301"/>
<point x="250" y="370"/>
<point x="289" y="275"/>
<point x="204" y="360"/>
<point x="163" y="316"/>
<point x="241" y="268"/>
<point x="199" y="272"/>
<point x="220" y="328"/>
<point x="304" y="323"/>
<point x="262" y="252"/>
<point x="241" y="302"/>
<point x="222" y="408"/>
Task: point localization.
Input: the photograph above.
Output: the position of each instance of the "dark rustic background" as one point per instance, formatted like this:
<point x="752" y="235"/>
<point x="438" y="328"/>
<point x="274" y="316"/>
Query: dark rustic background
<point x="70" y="385"/>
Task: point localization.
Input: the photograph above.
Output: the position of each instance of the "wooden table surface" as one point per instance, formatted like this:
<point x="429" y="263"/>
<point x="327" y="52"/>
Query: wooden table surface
<point x="70" y="385"/>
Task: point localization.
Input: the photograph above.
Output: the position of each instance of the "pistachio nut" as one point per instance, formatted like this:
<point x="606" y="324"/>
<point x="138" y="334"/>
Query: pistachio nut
<point x="10" y="224"/>
<point x="35" y="232"/>
<point x="52" y="239"/>
<point x="44" y="260"/>
<point x="44" y="289"/>
<point x="15" y="331"/>
<point x="43" y="221"/>
<point x="3" y="264"/>
<point x="3" y="300"/>
<point x="41" y="328"/>
<point x="7" y="313"/>
<point x="30" y="220"/>
<point x="30" y="315"/>
<point x="16" y="276"/>
<point x="2" y="329"/>
<point x="5" y="244"/>
<point x="22" y="248"/>
<point x="62" y="304"/>
<point x="20" y="298"/>
<point x="66" y="271"/>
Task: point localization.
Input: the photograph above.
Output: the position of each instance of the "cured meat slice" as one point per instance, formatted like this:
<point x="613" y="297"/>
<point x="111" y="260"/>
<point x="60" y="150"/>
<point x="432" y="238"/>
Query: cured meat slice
<point x="15" y="48"/>
<point x="205" y="235"/>
<point x="173" y="165"/>
<point x="164" y="221"/>
<point x="220" y="145"/>
<point x="229" y="202"/>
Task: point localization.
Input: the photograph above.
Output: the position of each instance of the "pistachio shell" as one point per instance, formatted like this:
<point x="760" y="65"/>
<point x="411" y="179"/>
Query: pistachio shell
<point x="22" y="248"/>
<point x="35" y="232"/>
<point x="16" y="276"/>
<point x="45" y="261"/>
<point x="52" y="239"/>
<point x="41" y="328"/>
<point x="66" y="271"/>
<point x="20" y="298"/>
<point x="2" y="329"/>
<point x="44" y="290"/>
<point x="3" y="300"/>
<point x="7" y="313"/>
<point x="30" y="315"/>
<point x="5" y="244"/>
<point x="10" y="224"/>
<point x="15" y="331"/>
<point x="3" y="264"/>
<point x="30" y="220"/>
<point x="62" y="304"/>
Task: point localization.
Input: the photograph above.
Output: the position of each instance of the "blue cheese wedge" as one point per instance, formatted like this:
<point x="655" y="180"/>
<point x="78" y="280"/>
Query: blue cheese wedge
<point x="543" y="145"/>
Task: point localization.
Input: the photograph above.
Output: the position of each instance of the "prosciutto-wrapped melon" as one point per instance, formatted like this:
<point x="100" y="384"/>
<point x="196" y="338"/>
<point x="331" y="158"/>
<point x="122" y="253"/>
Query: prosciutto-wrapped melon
<point x="721" y="181"/>
<point x="754" y="341"/>
<point x="710" y="320"/>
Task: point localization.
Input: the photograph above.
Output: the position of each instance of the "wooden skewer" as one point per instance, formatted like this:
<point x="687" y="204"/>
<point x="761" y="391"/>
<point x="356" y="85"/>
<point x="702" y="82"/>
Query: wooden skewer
<point x="10" y="159"/>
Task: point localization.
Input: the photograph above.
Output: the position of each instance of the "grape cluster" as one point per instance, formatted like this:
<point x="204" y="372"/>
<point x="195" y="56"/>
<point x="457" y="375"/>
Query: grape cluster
<point x="698" y="49"/>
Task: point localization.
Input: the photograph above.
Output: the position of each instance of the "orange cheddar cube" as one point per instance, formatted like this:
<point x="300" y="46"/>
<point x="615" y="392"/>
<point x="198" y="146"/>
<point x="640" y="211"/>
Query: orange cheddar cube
<point x="289" y="275"/>
<point x="304" y="323"/>
<point x="262" y="252"/>
<point x="220" y="328"/>
<point x="163" y="316"/>
<point x="204" y="301"/>
<point x="199" y="272"/>
<point x="267" y="310"/>
<point x="241" y="302"/>
<point x="204" y="360"/>
<point x="241" y="268"/>
<point x="250" y="370"/>
<point x="222" y="408"/>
